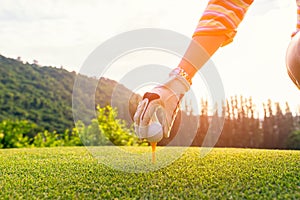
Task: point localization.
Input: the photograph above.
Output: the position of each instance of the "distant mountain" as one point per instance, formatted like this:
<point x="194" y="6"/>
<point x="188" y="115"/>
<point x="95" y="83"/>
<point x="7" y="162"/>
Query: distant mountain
<point x="43" y="95"/>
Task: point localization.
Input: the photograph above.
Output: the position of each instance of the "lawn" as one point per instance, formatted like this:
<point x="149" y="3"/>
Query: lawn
<point x="72" y="173"/>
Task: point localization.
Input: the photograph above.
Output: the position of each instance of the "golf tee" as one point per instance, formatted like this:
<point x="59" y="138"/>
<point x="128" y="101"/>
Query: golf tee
<point x="153" y="146"/>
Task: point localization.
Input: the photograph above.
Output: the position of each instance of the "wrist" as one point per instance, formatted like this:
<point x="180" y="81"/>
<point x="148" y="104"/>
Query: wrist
<point x="179" y="81"/>
<point x="187" y="67"/>
<point x="182" y="75"/>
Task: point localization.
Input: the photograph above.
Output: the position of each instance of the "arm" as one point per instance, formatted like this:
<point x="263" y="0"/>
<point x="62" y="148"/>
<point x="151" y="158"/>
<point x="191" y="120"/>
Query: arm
<point x="216" y="28"/>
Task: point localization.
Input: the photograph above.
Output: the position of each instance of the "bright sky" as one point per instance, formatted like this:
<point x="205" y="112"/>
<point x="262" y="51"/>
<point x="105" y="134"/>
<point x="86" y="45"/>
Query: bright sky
<point x="64" y="33"/>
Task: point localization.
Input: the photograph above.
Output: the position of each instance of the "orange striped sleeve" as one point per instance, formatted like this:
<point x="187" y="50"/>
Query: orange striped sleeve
<point x="298" y="14"/>
<point x="298" y="18"/>
<point x="222" y="17"/>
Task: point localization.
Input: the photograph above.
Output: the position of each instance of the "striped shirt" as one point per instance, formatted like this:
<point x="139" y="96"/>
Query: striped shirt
<point x="222" y="17"/>
<point x="298" y="18"/>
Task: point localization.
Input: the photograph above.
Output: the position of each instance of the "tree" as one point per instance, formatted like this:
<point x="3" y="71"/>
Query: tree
<point x="14" y="134"/>
<point x="91" y="135"/>
<point x="54" y="139"/>
<point x="114" y="129"/>
<point x="203" y="124"/>
<point x="268" y="126"/>
<point x="293" y="140"/>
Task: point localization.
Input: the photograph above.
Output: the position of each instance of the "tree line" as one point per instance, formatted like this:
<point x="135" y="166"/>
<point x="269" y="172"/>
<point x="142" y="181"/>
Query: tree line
<point x="241" y="126"/>
<point x="237" y="126"/>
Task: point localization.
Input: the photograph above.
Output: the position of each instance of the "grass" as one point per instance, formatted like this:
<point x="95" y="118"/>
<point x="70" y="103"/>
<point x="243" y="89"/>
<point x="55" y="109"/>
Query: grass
<point x="72" y="173"/>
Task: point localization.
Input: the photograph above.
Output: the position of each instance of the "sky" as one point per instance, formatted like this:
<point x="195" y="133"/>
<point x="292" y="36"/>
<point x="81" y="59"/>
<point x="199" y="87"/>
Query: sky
<point x="64" y="33"/>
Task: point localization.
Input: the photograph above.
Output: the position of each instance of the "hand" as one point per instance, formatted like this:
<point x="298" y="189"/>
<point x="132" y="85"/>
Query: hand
<point x="160" y="104"/>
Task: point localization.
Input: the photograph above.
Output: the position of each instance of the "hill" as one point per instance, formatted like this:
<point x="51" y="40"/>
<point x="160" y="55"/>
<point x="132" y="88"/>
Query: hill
<point x="43" y="95"/>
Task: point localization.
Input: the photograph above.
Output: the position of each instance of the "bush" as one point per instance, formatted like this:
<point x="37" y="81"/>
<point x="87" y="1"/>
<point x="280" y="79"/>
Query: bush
<point x="54" y="139"/>
<point x="293" y="141"/>
<point x="47" y="139"/>
<point x="114" y="129"/>
<point x="107" y="129"/>
<point x="14" y="134"/>
<point x="91" y="135"/>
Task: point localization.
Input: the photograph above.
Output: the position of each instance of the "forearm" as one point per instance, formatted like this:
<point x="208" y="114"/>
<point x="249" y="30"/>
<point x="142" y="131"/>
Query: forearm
<point x="199" y="52"/>
<point x="217" y="27"/>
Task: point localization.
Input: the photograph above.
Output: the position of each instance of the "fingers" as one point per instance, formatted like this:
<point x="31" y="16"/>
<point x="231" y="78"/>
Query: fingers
<point x="144" y="114"/>
<point x="148" y="113"/>
<point x="162" y="118"/>
<point x="167" y="116"/>
<point x="139" y="111"/>
<point x="137" y="119"/>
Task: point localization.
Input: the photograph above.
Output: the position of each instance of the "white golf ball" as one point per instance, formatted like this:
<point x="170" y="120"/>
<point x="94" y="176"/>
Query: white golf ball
<point x="155" y="132"/>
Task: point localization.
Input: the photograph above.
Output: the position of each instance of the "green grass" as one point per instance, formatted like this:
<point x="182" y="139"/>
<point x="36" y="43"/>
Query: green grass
<point x="72" y="173"/>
